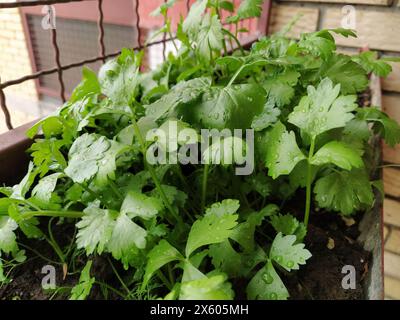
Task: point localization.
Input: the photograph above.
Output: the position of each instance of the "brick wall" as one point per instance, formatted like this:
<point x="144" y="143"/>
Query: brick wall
<point x="378" y="26"/>
<point x="15" y="63"/>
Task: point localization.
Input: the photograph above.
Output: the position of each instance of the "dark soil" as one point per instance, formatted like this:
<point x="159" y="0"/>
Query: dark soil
<point x="331" y="242"/>
<point x="333" y="245"/>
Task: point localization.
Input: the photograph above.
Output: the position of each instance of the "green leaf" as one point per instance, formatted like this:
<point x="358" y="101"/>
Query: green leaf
<point x="244" y="232"/>
<point x="344" y="192"/>
<point x="194" y="18"/>
<point x="268" y="117"/>
<point x="247" y="9"/>
<point x="92" y="155"/>
<point x="212" y="228"/>
<point x="266" y="285"/>
<point x="232" y="107"/>
<point x="319" y="43"/>
<point x="387" y="127"/>
<point x="50" y="125"/>
<point x="181" y="94"/>
<point x="8" y="240"/>
<point x="282" y="151"/>
<point x="323" y="109"/>
<point x="139" y="205"/>
<point x="20" y="190"/>
<point x="163" y="8"/>
<point x="82" y="289"/>
<point x="28" y="226"/>
<point x="126" y="238"/>
<point x="281" y="88"/>
<point x="250" y="8"/>
<point x="159" y="256"/>
<point x="370" y="62"/>
<point x="342" y="70"/>
<point x="286" y="224"/>
<point x="227" y="206"/>
<point x="95" y="229"/>
<point x="338" y="153"/>
<point x="209" y="288"/>
<point x="210" y="36"/>
<point x="119" y="77"/>
<point x="287" y="254"/>
<point x="226" y="259"/>
<point x="89" y="85"/>
<point x="44" y="189"/>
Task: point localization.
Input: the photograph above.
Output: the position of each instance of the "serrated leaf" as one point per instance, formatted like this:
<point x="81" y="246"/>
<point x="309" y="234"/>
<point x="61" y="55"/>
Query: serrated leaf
<point x="210" y="36"/>
<point x="342" y="70"/>
<point x="287" y="254"/>
<point x="126" y="238"/>
<point x="8" y="240"/>
<point x="159" y="256"/>
<point x="266" y="285"/>
<point x="268" y="117"/>
<point x="244" y="232"/>
<point x="84" y="286"/>
<point x="387" y="127"/>
<point x="323" y="109"/>
<point x="345" y="191"/>
<point x="118" y="77"/>
<point x="208" y="288"/>
<point x="208" y="230"/>
<point x="370" y="62"/>
<point x="45" y="187"/>
<point x="338" y="153"/>
<point x="232" y="107"/>
<point x="193" y="20"/>
<point x="137" y="204"/>
<point x="282" y="151"/>
<point x="95" y="229"/>
<point x="227" y="206"/>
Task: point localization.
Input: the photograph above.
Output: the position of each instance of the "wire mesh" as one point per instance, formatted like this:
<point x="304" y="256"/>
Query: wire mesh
<point x="102" y="56"/>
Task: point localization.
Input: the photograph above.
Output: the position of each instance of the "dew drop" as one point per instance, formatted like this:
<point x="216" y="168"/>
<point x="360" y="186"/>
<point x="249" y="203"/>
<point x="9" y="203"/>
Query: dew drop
<point x="267" y="278"/>
<point x="273" y="296"/>
<point x="290" y="264"/>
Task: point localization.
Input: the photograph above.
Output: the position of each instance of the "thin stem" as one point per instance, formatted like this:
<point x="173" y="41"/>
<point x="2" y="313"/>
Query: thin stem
<point x="152" y="172"/>
<point x="52" y="213"/>
<point x="204" y="186"/>
<point x="164" y="280"/>
<point x="114" y="188"/>
<point x="232" y="36"/>
<point x="54" y="243"/>
<point x="119" y="278"/>
<point x="308" y="183"/>
<point x="236" y="75"/>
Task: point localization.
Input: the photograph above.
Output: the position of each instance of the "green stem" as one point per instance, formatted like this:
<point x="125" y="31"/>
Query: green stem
<point x="119" y="278"/>
<point x="114" y="188"/>
<point x="236" y="75"/>
<point x="164" y="280"/>
<point x="232" y="36"/>
<point x="204" y="186"/>
<point x="52" y="241"/>
<point x="152" y="171"/>
<point x="52" y="213"/>
<point x="308" y="182"/>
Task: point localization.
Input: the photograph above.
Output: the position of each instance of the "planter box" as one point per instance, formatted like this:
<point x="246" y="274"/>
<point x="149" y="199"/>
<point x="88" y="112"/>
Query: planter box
<point x="14" y="160"/>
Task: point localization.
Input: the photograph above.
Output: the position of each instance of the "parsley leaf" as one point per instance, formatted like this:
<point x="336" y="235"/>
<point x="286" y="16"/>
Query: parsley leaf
<point x="338" y="153"/>
<point x="287" y="254"/>
<point x="266" y="285"/>
<point x="323" y="109"/>
<point x="345" y="191"/>
<point x="82" y="289"/>
<point x="212" y="228"/>
<point x="282" y="151"/>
